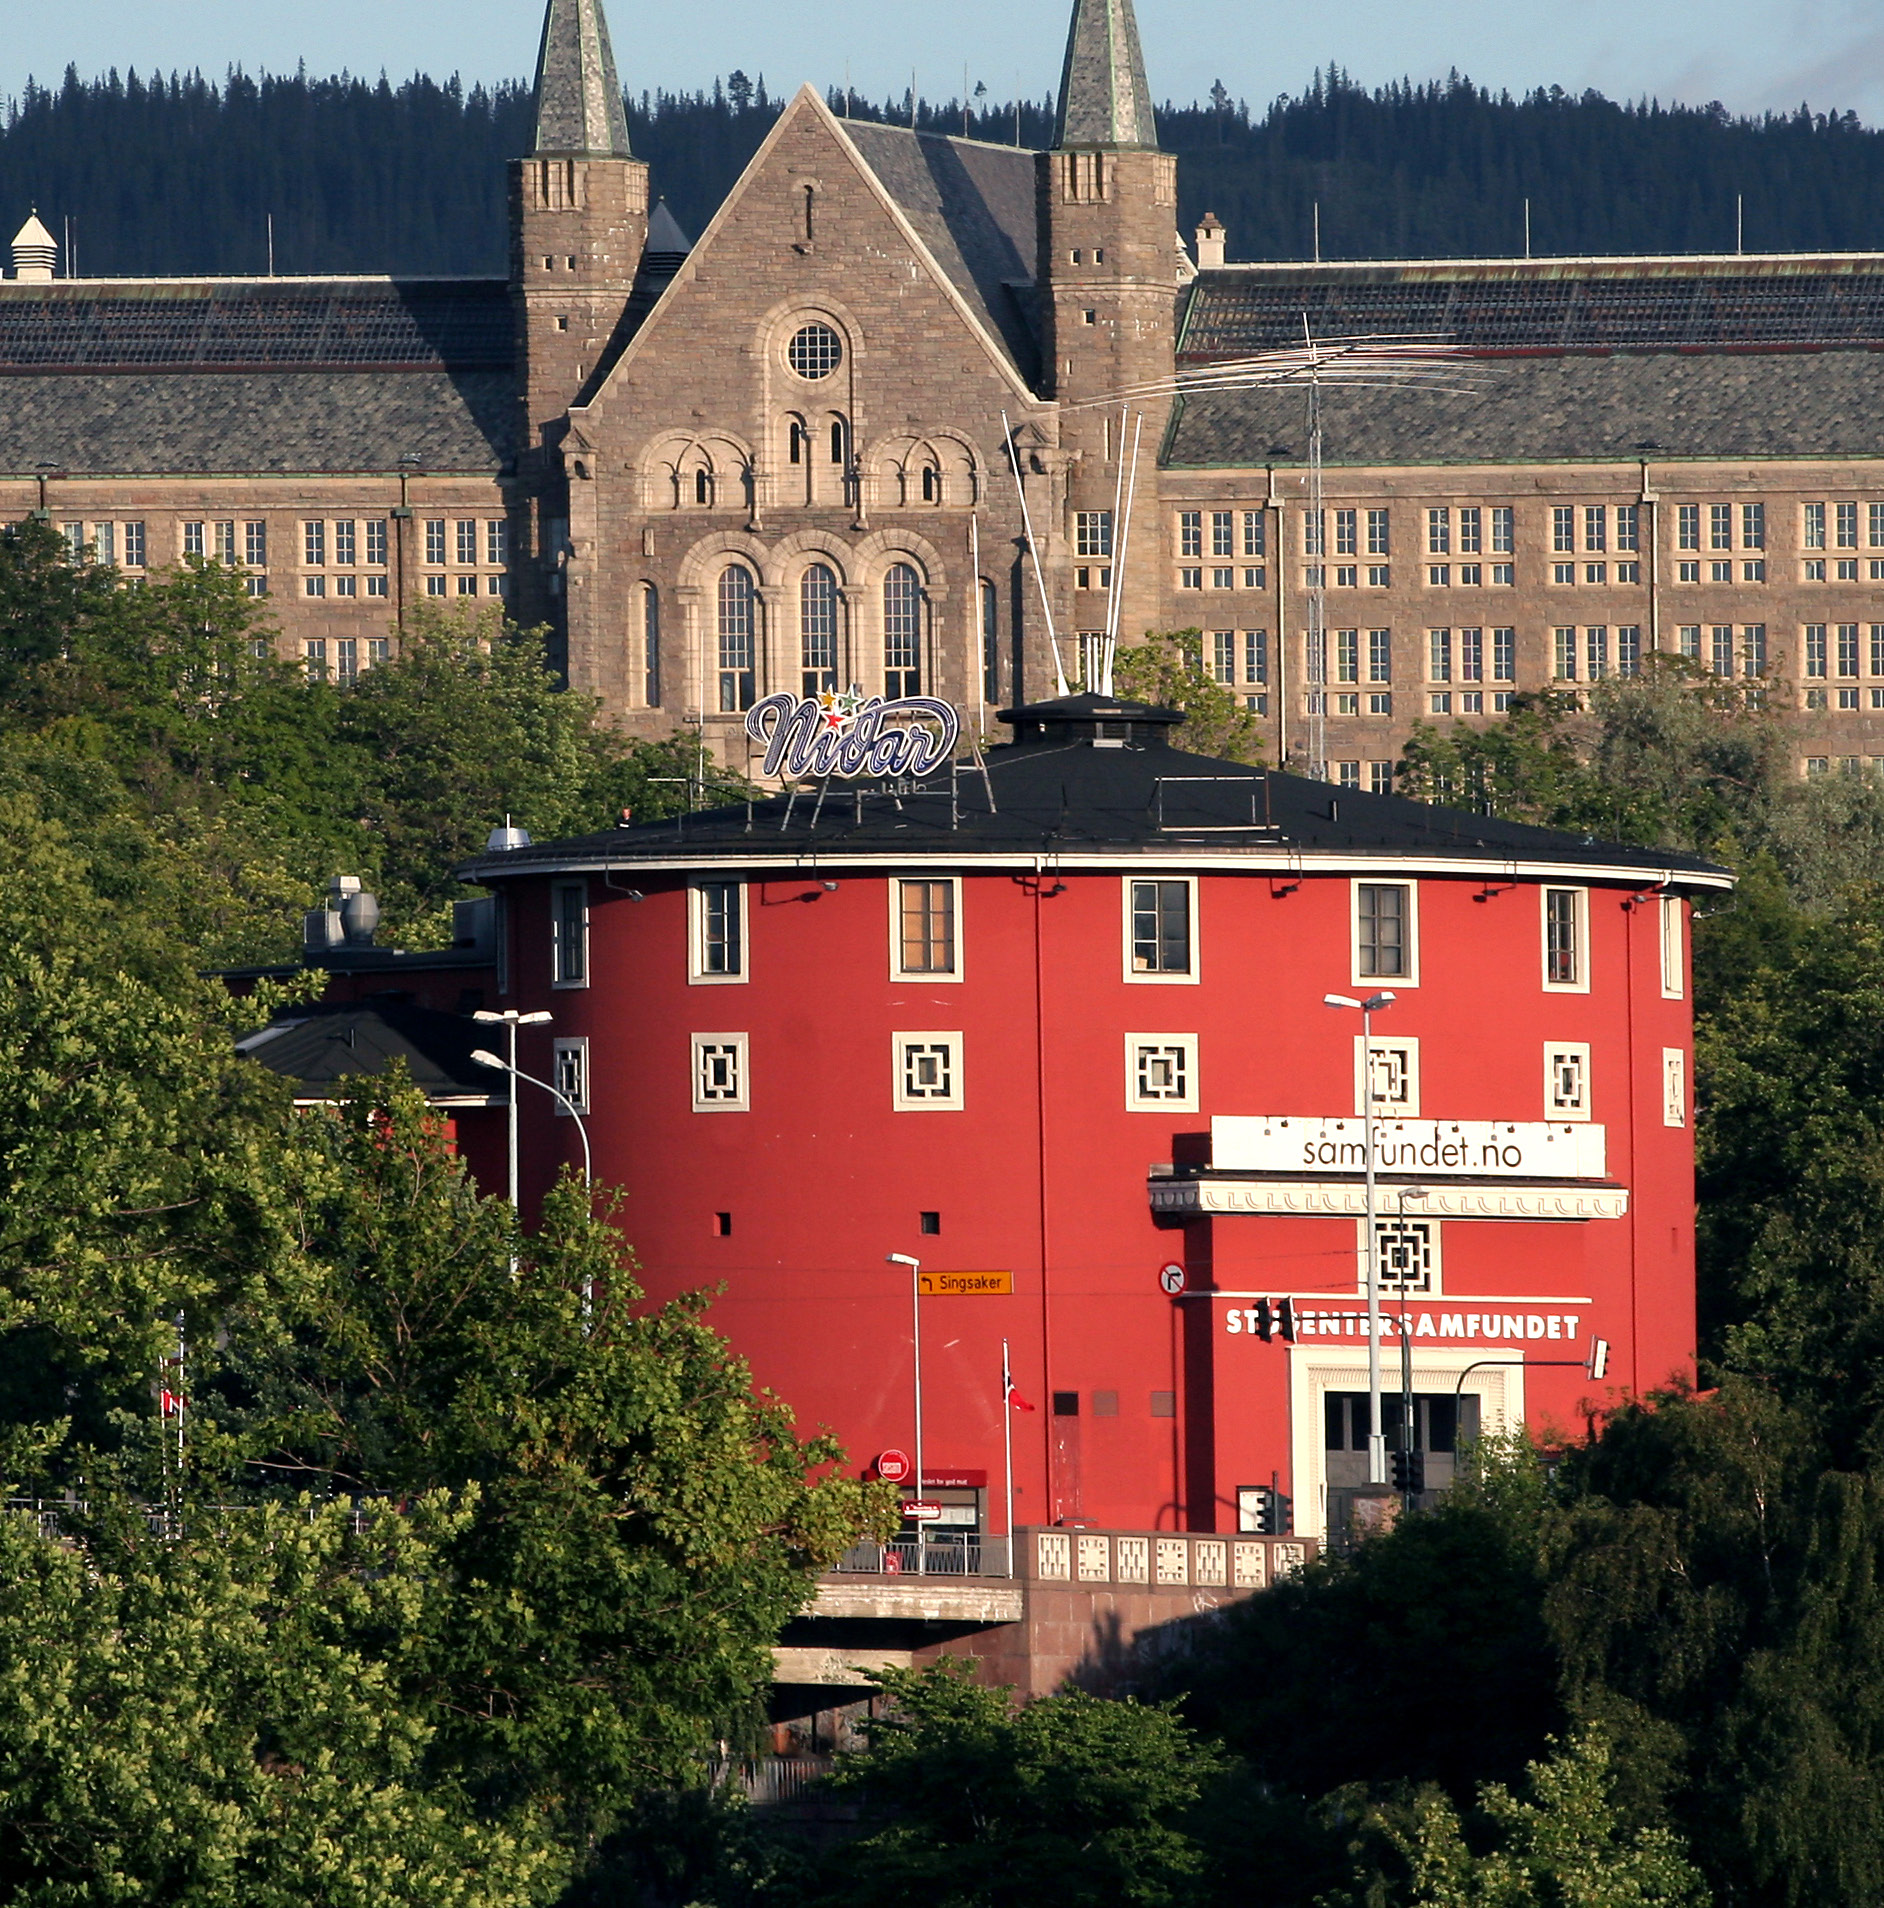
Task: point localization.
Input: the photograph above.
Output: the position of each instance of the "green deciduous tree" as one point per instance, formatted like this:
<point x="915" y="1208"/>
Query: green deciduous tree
<point x="1563" y="1845"/>
<point x="970" y="1802"/>
<point x="1167" y="668"/>
<point x="240" y="1718"/>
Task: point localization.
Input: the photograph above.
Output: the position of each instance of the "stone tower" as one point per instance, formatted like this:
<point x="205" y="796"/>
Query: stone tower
<point x="1109" y="263"/>
<point x="578" y="223"/>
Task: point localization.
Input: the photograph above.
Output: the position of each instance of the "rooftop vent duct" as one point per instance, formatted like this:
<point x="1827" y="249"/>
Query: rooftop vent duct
<point x="505" y="839"/>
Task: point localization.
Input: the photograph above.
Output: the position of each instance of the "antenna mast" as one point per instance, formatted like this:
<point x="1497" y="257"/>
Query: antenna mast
<point x="1316" y="633"/>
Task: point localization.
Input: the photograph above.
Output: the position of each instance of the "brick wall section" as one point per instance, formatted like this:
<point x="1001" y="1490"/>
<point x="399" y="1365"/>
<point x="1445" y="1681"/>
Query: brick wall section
<point x="1659" y="604"/>
<point x="162" y="505"/>
<point x="1102" y="1606"/>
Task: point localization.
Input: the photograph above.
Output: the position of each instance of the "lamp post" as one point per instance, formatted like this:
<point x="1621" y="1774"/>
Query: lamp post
<point x="1376" y="1438"/>
<point x="484" y="1059"/>
<point x="915" y="1317"/>
<point x="1408" y="1425"/>
<point x="511" y="1019"/>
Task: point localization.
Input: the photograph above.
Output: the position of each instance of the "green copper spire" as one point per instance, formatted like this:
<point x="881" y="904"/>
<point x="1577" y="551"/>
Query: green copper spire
<point x="578" y="96"/>
<point x="1104" y="100"/>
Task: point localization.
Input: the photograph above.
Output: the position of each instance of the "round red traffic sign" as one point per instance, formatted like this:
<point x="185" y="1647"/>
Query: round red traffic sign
<point x="893" y="1466"/>
<point x="1171" y="1279"/>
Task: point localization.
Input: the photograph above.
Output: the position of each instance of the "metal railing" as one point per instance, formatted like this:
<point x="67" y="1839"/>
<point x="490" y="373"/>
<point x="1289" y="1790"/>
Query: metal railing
<point x="770" y="1779"/>
<point x="975" y="1557"/>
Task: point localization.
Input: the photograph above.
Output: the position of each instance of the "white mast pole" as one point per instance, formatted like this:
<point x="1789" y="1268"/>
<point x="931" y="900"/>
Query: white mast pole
<point x="979" y="661"/>
<point x="1104" y="685"/>
<point x="1007" y="1447"/>
<point x="1118" y="563"/>
<point x="1033" y="550"/>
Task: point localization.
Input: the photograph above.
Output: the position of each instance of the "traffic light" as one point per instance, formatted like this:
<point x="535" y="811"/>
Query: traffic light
<point x="1409" y="1471"/>
<point x="1598" y="1362"/>
<point x="1265" y="1320"/>
<point x="1275" y="1513"/>
<point x="1285" y="1320"/>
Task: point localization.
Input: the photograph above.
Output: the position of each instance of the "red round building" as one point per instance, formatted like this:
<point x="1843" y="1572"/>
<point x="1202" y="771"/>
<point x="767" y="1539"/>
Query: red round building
<point x="1055" y="1027"/>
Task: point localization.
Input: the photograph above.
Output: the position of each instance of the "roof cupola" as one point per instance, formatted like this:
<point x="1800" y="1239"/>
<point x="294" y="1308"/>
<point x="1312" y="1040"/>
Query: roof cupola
<point x="35" y="253"/>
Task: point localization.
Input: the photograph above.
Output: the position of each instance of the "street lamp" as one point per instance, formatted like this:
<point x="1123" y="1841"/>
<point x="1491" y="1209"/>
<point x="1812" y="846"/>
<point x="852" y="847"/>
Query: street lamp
<point x="556" y="1093"/>
<point x="1376" y="1438"/>
<point x="511" y="1019"/>
<point x="915" y="1314"/>
<point x="1408" y="1424"/>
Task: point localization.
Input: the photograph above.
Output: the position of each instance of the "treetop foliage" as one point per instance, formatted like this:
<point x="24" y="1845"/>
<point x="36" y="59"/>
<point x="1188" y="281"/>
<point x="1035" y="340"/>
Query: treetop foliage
<point x="179" y="173"/>
<point x="217" y="788"/>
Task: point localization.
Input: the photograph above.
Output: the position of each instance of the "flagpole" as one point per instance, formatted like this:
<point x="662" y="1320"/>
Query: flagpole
<point x="1007" y="1441"/>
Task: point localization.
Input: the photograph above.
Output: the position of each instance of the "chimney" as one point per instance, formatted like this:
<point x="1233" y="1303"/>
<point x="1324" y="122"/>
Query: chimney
<point x="1211" y="239"/>
<point x="35" y="253"/>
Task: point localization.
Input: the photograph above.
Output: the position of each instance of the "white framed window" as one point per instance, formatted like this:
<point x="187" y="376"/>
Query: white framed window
<point x="926" y="1072"/>
<point x="1674" y="963"/>
<point x="1385" y="930"/>
<point x="1566" y="934"/>
<point x="1674" y="1087"/>
<point x="1566" y="1080"/>
<point x="721" y="1073"/>
<point x="926" y="929"/>
<point x="1396" y="1077"/>
<point x="1160" y="928"/>
<point x="716" y="933"/>
<point x="1409" y="1256"/>
<point x="1160" y="1073"/>
<point x="569" y="934"/>
<point x="571" y="1075"/>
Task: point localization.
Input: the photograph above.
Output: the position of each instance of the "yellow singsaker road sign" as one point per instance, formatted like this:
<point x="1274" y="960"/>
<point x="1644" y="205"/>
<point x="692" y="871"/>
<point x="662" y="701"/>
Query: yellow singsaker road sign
<point x="964" y="1284"/>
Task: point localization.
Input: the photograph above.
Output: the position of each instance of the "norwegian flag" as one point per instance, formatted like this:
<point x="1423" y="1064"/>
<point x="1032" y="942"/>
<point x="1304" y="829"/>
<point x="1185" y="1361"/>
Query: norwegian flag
<point x="173" y="1403"/>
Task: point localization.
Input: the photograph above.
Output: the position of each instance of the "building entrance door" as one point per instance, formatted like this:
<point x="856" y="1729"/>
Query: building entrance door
<point x="1442" y="1424"/>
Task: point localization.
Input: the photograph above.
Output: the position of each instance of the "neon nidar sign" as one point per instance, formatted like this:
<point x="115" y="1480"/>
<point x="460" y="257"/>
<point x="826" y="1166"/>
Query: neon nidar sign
<point x="848" y="733"/>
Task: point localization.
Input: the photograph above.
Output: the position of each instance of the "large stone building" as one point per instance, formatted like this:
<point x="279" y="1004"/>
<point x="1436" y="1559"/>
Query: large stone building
<point x="882" y="415"/>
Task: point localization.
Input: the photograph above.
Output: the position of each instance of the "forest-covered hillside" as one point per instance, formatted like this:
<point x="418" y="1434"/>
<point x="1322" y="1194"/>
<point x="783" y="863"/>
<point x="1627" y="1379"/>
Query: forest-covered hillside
<point x="181" y="175"/>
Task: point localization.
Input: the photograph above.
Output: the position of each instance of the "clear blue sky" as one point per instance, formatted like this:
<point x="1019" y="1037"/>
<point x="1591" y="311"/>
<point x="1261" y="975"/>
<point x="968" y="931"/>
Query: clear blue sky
<point x="1748" y="53"/>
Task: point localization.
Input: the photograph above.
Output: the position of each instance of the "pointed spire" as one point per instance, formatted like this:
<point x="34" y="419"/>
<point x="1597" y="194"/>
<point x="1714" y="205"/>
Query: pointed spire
<point x="578" y="95"/>
<point x="1104" y="100"/>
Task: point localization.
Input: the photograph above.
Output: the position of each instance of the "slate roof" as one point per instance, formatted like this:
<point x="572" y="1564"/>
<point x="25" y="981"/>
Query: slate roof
<point x="318" y="1047"/>
<point x="972" y="204"/>
<point x="1566" y="409"/>
<point x="262" y="423"/>
<point x="1624" y="304"/>
<point x="1089" y="775"/>
<point x="255" y="323"/>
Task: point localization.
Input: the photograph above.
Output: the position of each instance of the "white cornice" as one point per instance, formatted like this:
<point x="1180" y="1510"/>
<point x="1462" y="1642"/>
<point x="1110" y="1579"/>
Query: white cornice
<point x="1347" y="1198"/>
<point x="1282" y="864"/>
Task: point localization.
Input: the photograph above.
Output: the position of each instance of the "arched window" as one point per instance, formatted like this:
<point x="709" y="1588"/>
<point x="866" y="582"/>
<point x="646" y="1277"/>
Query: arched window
<point x="800" y="444"/>
<point x="703" y="485"/>
<point x="990" y="642"/>
<point x="840" y="441"/>
<point x="817" y="630"/>
<point x="902" y="632"/>
<point x="650" y="646"/>
<point x="737" y="639"/>
<point x="931" y="484"/>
